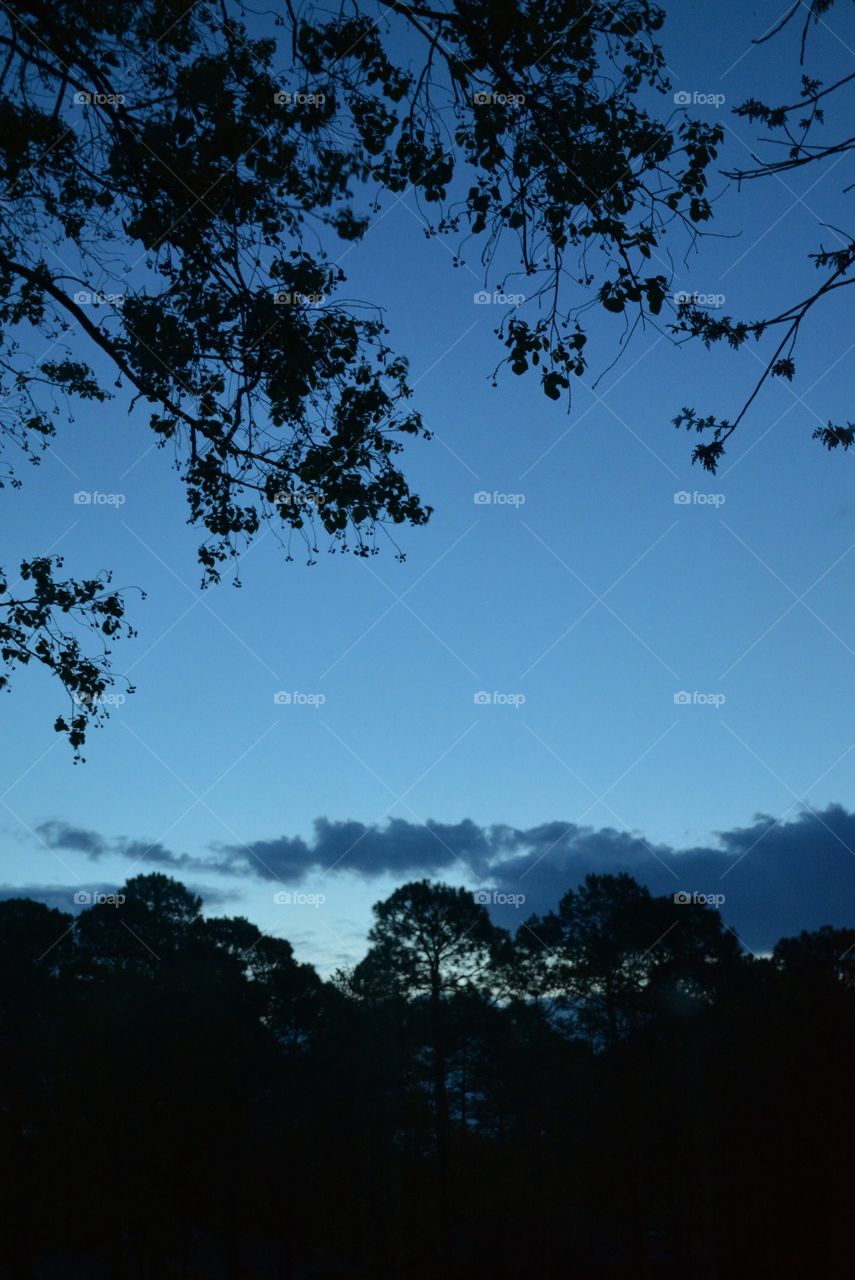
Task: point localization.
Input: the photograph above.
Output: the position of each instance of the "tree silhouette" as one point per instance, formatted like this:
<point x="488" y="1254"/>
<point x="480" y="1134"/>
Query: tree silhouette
<point x="45" y="619"/>
<point x="176" y="189"/>
<point x="176" y="186"/>
<point x="232" y="1115"/>
<point x="613" y="954"/>
<point x="430" y="944"/>
<point x="793" y="126"/>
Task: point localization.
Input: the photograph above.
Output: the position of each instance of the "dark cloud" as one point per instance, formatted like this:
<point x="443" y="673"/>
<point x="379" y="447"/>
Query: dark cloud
<point x="146" y="851"/>
<point x="777" y="876"/>
<point x="63" y="835"/>
<point x="398" y="848"/>
<point x="434" y="848"/>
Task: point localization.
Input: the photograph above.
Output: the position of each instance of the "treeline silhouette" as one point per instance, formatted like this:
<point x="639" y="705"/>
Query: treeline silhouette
<point x="618" y="1090"/>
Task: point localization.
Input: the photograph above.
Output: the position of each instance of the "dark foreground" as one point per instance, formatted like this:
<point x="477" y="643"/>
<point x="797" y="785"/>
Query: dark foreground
<point x="181" y="1098"/>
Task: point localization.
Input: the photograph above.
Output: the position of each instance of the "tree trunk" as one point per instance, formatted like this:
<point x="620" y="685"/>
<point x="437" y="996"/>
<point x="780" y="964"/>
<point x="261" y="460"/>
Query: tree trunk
<point x="440" y="1094"/>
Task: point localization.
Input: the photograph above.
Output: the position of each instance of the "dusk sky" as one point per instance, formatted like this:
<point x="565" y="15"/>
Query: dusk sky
<point x="582" y="597"/>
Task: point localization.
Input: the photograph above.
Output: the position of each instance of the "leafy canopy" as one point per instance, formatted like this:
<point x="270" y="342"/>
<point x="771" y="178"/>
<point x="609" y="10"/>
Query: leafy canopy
<point x="178" y="182"/>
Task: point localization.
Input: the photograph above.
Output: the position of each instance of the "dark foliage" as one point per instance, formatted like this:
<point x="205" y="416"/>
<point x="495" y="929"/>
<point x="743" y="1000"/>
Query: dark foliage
<point x="178" y="184"/>
<point x="181" y="1098"/>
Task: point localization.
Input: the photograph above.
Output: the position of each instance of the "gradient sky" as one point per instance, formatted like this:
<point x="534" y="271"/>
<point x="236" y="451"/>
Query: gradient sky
<point x="597" y="597"/>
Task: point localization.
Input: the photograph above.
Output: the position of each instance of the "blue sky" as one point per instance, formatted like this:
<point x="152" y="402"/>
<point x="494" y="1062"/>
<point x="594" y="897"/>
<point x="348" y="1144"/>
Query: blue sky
<point x="593" y="594"/>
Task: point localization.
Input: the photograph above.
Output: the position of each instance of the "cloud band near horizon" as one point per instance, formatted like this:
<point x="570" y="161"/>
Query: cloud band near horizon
<point x="778" y="876"/>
